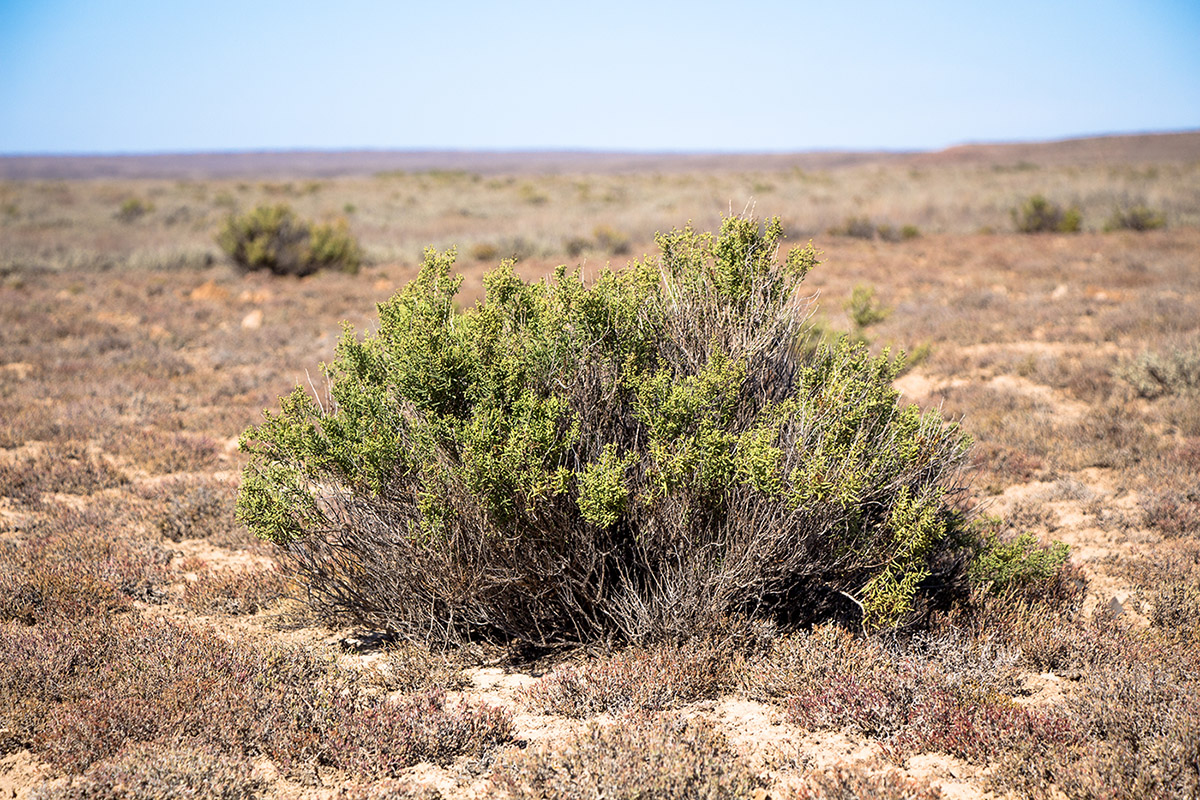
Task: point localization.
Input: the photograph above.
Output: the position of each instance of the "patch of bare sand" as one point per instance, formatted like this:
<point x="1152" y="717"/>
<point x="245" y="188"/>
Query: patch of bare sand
<point x="919" y="387"/>
<point x="1041" y="689"/>
<point x="1073" y="500"/>
<point x="785" y="755"/>
<point x="20" y="772"/>
<point x="1065" y="409"/>
<point x="497" y="685"/>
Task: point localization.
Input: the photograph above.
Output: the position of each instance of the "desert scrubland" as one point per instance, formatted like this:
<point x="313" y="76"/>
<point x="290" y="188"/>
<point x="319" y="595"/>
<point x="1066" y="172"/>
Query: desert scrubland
<point x="153" y="647"/>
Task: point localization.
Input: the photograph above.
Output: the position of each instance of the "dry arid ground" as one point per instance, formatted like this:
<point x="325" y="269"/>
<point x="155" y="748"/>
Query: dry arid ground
<point x="151" y="648"/>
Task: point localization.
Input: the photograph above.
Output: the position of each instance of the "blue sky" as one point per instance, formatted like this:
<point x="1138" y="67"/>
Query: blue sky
<point x="162" y="76"/>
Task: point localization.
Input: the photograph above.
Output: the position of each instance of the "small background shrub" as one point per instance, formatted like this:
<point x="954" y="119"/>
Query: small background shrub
<point x="855" y="227"/>
<point x="78" y="694"/>
<point x="611" y="240"/>
<point x="133" y="209"/>
<point x="1171" y="372"/>
<point x="863" y="308"/>
<point x="864" y="228"/>
<point x="273" y="238"/>
<point x="485" y="251"/>
<point x="1039" y="215"/>
<point x="1135" y="218"/>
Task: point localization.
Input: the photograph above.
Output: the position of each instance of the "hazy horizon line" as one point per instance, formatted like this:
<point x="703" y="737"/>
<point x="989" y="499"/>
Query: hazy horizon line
<point x="587" y="150"/>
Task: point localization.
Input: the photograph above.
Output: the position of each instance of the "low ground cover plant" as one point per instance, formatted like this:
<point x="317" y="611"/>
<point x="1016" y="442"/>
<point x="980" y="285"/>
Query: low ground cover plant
<point x="639" y="458"/>
<point x="273" y="238"/>
<point x="141" y="772"/>
<point x="77" y="694"/>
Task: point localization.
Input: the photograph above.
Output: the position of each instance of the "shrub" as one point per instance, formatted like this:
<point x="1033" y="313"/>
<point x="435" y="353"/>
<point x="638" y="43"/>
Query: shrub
<point x="485" y="251"/>
<point x="864" y="228"/>
<point x="229" y="591"/>
<point x="273" y="238"/>
<point x="576" y="246"/>
<point x="143" y="772"/>
<point x="655" y="679"/>
<point x="611" y="240"/>
<point x="855" y="227"/>
<point x="857" y="782"/>
<point x="1175" y="514"/>
<point x="68" y="567"/>
<point x="643" y="457"/>
<point x="640" y="756"/>
<point x="78" y="694"/>
<point x="914" y="709"/>
<point x="193" y="509"/>
<point x="68" y="468"/>
<point x="1039" y="215"/>
<point x="1018" y="565"/>
<point x="863" y="309"/>
<point x="1176" y="371"/>
<point x="1136" y="218"/>
<point x="133" y="209"/>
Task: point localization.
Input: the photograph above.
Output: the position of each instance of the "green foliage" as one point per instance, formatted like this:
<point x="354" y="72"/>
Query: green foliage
<point x="1007" y="566"/>
<point x="864" y="228"/>
<point x="641" y="457"/>
<point x="856" y="228"/>
<point x="864" y="311"/>
<point x="133" y="208"/>
<point x="273" y="238"/>
<point x="1039" y="215"/>
<point x="611" y="240"/>
<point x="1136" y="218"/>
<point x="576" y="246"/>
<point x="484" y="251"/>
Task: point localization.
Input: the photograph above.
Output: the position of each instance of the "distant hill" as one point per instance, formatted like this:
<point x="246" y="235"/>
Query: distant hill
<point x="1142" y="148"/>
<point x="1146" y="148"/>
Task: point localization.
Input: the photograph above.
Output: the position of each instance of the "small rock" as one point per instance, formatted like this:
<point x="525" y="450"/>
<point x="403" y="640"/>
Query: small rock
<point x="1115" y="607"/>
<point x="253" y="320"/>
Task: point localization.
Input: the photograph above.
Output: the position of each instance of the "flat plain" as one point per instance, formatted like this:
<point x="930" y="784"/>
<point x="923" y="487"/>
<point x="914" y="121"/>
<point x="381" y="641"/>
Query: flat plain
<point x="152" y="645"/>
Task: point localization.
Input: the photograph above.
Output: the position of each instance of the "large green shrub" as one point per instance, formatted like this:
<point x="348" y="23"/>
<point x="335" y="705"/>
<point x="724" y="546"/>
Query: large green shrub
<point x="642" y="457"/>
<point x="273" y="238"/>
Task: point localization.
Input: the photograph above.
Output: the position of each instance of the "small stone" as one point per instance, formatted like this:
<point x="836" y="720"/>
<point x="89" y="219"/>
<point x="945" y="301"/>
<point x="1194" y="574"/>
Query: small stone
<point x="253" y="320"/>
